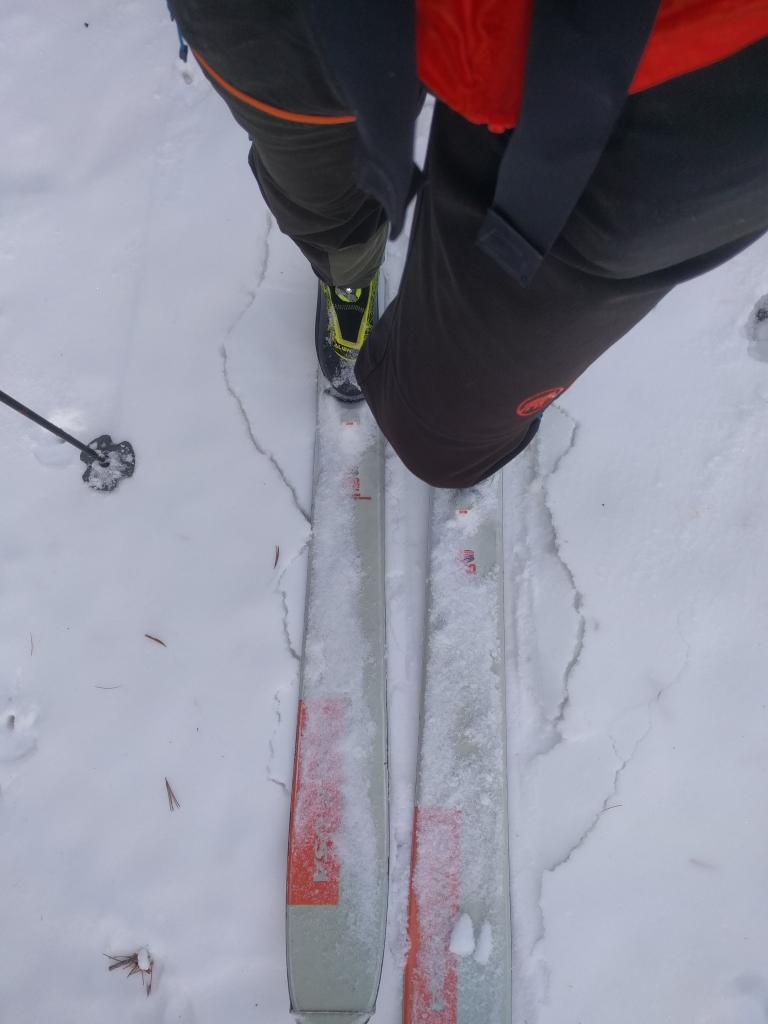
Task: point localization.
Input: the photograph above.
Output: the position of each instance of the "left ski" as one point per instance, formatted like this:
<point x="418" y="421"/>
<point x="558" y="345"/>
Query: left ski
<point x="458" y="969"/>
<point x="339" y="838"/>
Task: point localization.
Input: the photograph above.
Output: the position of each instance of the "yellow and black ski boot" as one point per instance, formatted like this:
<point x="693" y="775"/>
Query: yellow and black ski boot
<point x="344" y="320"/>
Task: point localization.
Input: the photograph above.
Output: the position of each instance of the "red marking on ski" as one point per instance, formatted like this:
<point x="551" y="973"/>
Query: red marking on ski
<point x="467" y="559"/>
<point x="314" y="867"/>
<point x="356" y="487"/>
<point x="431" y="979"/>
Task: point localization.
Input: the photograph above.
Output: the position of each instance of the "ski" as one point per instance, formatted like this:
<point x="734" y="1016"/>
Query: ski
<point x="458" y="969"/>
<point x="338" y="837"/>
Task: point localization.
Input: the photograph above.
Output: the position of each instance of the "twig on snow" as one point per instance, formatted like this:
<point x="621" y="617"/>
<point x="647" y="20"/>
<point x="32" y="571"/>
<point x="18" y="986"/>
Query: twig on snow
<point x="173" y="803"/>
<point x="139" y="962"/>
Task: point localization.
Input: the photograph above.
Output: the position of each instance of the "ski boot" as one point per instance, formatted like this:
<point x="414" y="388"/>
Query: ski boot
<point x="344" y="320"/>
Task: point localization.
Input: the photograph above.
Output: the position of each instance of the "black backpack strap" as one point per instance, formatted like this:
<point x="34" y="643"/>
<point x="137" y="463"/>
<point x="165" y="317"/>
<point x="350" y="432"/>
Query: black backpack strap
<point x="582" y="57"/>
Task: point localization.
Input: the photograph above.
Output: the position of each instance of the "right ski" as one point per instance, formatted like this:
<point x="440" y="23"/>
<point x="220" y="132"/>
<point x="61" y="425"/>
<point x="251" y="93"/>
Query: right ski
<point x="458" y="969"/>
<point x="338" y="841"/>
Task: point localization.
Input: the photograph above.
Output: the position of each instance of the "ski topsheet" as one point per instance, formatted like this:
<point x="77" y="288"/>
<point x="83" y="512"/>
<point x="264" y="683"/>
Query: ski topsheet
<point x="338" y="841"/>
<point x="458" y="969"/>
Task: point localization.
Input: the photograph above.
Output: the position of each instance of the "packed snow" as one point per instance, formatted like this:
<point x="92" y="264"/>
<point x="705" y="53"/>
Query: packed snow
<point x="462" y="936"/>
<point x="149" y="637"/>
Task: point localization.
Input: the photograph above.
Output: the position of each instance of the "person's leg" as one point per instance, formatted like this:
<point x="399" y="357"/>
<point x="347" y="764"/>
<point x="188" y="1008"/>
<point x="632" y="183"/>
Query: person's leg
<point x="303" y="156"/>
<point x="465" y="358"/>
<point x="306" y="175"/>
<point x="265" y="55"/>
<point x="305" y="171"/>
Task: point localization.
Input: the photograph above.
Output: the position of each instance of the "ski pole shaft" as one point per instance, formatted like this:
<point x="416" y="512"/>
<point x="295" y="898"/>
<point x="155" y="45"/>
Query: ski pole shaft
<point x="18" y="407"/>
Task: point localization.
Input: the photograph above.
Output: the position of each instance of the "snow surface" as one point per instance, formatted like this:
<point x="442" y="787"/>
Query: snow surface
<point x="145" y="292"/>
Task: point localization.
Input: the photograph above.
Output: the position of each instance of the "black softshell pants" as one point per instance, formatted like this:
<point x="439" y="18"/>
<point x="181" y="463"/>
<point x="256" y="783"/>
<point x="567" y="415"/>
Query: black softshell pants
<point x="464" y="359"/>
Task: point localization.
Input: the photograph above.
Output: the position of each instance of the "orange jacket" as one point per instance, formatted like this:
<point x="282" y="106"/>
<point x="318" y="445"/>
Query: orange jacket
<point x="471" y="53"/>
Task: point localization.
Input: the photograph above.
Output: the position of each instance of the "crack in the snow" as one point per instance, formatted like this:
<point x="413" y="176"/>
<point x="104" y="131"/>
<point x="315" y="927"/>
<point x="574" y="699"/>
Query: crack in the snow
<point x="296" y="658"/>
<point x="271" y="777"/>
<point x="286" y="633"/>
<point x="284" y="598"/>
<point x="519" y="563"/>
<point x="541" y="513"/>
<point x="252" y="293"/>
<point x="578" y="596"/>
<point x="542" y="508"/>
<point x="262" y="273"/>
<point x="298" y="505"/>
<point x="608" y="804"/>
<point x="539" y="537"/>
<point x="249" y="429"/>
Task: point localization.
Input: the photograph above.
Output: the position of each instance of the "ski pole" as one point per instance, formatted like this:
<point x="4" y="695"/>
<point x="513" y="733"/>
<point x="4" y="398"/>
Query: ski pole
<point x="13" y="404"/>
<point x="107" y="463"/>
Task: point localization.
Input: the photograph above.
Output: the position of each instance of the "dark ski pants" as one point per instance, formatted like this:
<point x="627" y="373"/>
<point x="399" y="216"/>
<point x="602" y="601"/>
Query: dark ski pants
<point x="464" y="359"/>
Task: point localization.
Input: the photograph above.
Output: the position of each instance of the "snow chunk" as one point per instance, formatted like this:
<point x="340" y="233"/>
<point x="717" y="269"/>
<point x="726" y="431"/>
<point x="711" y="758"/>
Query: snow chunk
<point x="463" y="936"/>
<point x="484" y="947"/>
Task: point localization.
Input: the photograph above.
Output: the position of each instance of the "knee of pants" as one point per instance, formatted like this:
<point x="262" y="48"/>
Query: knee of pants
<point x="437" y="471"/>
<point x="310" y="195"/>
<point x="440" y="461"/>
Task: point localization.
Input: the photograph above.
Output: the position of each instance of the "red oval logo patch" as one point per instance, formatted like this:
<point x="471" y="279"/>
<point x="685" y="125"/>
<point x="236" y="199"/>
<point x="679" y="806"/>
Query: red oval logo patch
<point x="537" y="402"/>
